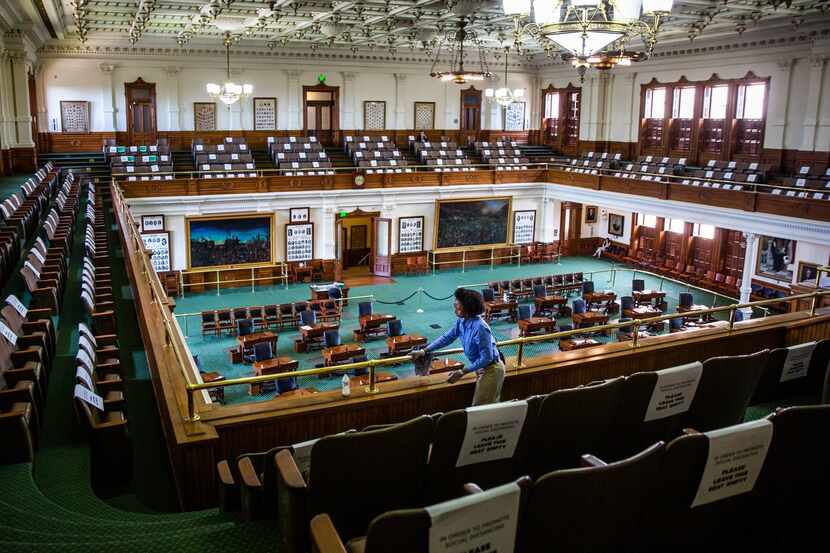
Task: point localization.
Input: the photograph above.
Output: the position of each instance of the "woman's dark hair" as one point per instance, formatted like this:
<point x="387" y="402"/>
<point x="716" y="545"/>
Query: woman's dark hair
<point x="472" y="304"/>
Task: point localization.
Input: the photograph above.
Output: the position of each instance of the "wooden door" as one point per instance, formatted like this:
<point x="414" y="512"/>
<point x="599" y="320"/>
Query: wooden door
<point x="321" y="112"/>
<point x="570" y="228"/>
<point x="382" y="263"/>
<point x="471" y="109"/>
<point x="340" y="243"/>
<point x="141" y="112"/>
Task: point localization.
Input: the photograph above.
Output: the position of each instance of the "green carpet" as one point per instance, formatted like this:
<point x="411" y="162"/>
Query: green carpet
<point x="397" y="298"/>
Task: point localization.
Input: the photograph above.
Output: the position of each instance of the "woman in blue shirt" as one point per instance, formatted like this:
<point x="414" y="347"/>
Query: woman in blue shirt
<point x="479" y="347"/>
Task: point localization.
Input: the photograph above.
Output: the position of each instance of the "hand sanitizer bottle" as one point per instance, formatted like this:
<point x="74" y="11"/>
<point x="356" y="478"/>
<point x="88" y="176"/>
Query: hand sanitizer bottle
<point x="345" y="386"/>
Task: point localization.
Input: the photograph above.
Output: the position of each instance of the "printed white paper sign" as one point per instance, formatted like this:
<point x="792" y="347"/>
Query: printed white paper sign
<point x="674" y="391"/>
<point x="798" y="361"/>
<point x="302" y="456"/>
<point x="18" y="305"/>
<point x="492" y="432"/>
<point x="89" y="396"/>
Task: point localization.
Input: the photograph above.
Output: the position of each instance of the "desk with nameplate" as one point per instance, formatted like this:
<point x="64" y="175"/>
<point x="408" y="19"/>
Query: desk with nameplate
<point x="648" y="296"/>
<point x="535" y="324"/>
<point x="372" y="325"/>
<point x="275" y="365"/>
<point x="572" y="344"/>
<point x="343" y="352"/>
<point x="642" y="312"/>
<point x="396" y="345"/>
<point x="599" y="298"/>
<point x="548" y="303"/>
<point x="310" y="334"/>
<point x="248" y="341"/>
<point x="589" y="318"/>
<point x="499" y="306"/>
<point x="319" y="292"/>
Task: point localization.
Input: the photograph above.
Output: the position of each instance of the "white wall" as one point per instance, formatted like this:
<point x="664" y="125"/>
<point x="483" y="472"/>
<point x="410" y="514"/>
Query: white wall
<point x="181" y="83"/>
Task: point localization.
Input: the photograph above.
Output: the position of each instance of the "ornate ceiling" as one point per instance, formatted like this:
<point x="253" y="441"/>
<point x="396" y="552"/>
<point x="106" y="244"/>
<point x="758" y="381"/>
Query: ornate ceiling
<point x="406" y="28"/>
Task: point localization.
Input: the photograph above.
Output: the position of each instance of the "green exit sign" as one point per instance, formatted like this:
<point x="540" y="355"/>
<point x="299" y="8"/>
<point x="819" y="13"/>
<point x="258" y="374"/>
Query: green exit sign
<point x="343" y="214"/>
<point x="321" y="78"/>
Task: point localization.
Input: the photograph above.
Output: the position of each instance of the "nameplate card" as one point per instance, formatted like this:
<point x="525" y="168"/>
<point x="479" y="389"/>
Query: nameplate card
<point x="674" y="391"/>
<point x="90" y="397"/>
<point x="81" y="374"/>
<point x="302" y="456"/>
<point x="8" y="334"/>
<point x="18" y="305"/>
<point x="492" y="432"/>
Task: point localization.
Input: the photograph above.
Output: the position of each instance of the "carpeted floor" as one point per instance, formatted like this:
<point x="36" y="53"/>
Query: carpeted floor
<point x="402" y="298"/>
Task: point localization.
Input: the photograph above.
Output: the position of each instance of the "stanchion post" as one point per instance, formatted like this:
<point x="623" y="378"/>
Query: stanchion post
<point x="253" y="282"/>
<point x="420" y="300"/>
<point x="181" y="284"/>
<point x="217" y="282"/>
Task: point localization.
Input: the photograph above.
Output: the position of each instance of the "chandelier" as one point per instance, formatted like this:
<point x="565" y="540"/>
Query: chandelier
<point x="504" y="96"/>
<point x="460" y="75"/>
<point x="229" y="92"/>
<point x="585" y="29"/>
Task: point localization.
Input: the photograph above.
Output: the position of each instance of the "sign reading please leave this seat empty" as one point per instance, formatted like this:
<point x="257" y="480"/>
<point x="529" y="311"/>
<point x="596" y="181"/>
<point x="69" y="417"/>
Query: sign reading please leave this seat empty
<point x="674" y="391"/>
<point x="492" y="432"/>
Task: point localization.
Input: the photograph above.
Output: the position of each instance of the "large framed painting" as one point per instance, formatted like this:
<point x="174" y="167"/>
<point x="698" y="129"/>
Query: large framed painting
<point x="590" y="214"/>
<point x="230" y="240"/>
<point x="776" y="257"/>
<point x="265" y="114"/>
<point x="476" y="223"/>
<point x="204" y="116"/>
<point x="74" y="116"/>
<point x="616" y="224"/>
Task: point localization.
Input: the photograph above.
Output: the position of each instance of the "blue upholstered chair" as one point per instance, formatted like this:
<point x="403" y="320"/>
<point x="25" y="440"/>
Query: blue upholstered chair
<point x="286" y="385"/>
<point x="626" y="302"/>
<point x="625" y="329"/>
<point x="261" y="352"/>
<point x="308" y="318"/>
<point x="487" y="294"/>
<point x="686" y="299"/>
<point x="676" y="325"/>
<point x="335" y="293"/>
<point x="565" y="328"/>
<point x="739" y="315"/>
<point x="579" y="306"/>
<point x="638" y="285"/>
<point x="244" y="327"/>
<point x="364" y="308"/>
<point x="525" y="312"/>
<point x="588" y="287"/>
<point x="394" y="328"/>
<point x="539" y="291"/>
<point x="331" y="338"/>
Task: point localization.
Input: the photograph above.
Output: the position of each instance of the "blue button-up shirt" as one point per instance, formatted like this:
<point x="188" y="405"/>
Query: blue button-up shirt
<point x="476" y="338"/>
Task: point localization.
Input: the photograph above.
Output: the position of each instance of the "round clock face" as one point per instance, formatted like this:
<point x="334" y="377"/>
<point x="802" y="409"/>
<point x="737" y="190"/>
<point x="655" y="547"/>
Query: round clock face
<point x="358" y="180"/>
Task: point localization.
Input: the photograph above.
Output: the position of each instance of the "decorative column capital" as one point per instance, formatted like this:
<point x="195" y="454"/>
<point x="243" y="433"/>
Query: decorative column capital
<point x="784" y="64"/>
<point x="172" y="72"/>
<point x="293" y="73"/>
<point x="817" y="61"/>
<point x="400" y="77"/>
<point x="348" y="75"/>
<point x="750" y="238"/>
<point x="106" y="67"/>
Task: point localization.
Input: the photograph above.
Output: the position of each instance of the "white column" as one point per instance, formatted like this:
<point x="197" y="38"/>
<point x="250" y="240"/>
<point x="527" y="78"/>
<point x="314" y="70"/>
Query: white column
<point x="108" y="97"/>
<point x="452" y="97"/>
<point x="20" y="101"/>
<point x="7" y="123"/>
<point x="815" y="93"/>
<point x="295" y="120"/>
<point x="173" y="93"/>
<point x="534" y="99"/>
<point x="778" y="105"/>
<point x="400" y="107"/>
<point x="750" y="261"/>
<point x="42" y="112"/>
<point x="347" y="101"/>
<point x="329" y="240"/>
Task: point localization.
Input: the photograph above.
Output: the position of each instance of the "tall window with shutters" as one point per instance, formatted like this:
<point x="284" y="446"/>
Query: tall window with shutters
<point x="683" y="113"/>
<point x="750" y="115"/>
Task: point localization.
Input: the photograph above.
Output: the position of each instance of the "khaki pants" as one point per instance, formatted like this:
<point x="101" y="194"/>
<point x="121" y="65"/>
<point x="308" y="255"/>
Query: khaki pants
<point x="488" y="383"/>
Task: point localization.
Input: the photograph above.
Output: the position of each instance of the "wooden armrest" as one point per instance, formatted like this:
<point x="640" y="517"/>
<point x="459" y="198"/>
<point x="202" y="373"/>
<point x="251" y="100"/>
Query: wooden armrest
<point x="43" y="326"/>
<point x="23" y="392"/>
<point x="39" y="314"/>
<point x="324" y="537"/>
<point x="106" y="339"/>
<point x="248" y="474"/>
<point x="223" y="469"/>
<point x="104" y="306"/>
<point x="29" y="372"/>
<point x="592" y="461"/>
<point x="32" y="341"/>
<point x="114" y="422"/>
<point x="109" y="385"/>
<point x="21" y="357"/>
<point x="288" y="470"/>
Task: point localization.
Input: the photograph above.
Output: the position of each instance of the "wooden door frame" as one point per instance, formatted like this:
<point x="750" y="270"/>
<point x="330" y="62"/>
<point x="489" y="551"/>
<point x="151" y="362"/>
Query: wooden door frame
<point x="354" y="214"/>
<point x="463" y="92"/>
<point x="376" y="222"/>
<point x="335" y="115"/>
<point x="138" y="84"/>
<point x="576" y="226"/>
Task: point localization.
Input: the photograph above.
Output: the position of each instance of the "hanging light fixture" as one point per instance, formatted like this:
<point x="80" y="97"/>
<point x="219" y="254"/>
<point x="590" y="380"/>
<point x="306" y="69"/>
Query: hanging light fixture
<point x="585" y="29"/>
<point x="504" y="96"/>
<point x="460" y="75"/>
<point x="229" y="92"/>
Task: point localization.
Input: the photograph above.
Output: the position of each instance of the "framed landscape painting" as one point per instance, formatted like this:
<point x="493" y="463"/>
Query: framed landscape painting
<point x="230" y="240"/>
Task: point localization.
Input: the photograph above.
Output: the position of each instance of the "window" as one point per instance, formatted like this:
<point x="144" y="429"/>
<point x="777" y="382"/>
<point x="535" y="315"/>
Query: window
<point x="644" y="220"/>
<point x="655" y="103"/>
<point x="683" y="104"/>
<point x="714" y="102"/>
<point x="552" y="105"/>
<point x="751" y="101"/>
<point x="675" y="225"/>
<point x="704" y="231"/>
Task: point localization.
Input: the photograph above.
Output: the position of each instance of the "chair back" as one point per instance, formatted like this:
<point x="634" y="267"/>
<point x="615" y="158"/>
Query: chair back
<point x="686" y="299"/>
<point x="244" y="327"/>
<point x="638" y="285"/>
<point x="394" y="328"/>
<point x="263" y="351"/>
<point x="588" y="287"/>
<point x="240" y="313"/>
<point x="524" y="312"/>
<point x="208" y="316"/>
<point x="804" y="386"/>
<point x="335" y="293"/>
<point x="626" y="302"/>
<point x="625" y="329"/>
<point x="364" y="308"/>
<point x="676" y="324"/>
<point x="286" y="385"/>
<point x="579" y="306"/>
<point x="487" y="294"/>
<point x="331" y="338"/>
<point x="539" y="291"/>
<point x="308" y="317"/>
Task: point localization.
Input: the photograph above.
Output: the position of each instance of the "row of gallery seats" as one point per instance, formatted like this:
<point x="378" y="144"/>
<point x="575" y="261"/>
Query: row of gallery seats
<point x="299" y="155"/>
<point x="27" y="334"/>
<point x="274" y="316"/>
<point x="713" y="280"/>
<point x="602" y="472"/>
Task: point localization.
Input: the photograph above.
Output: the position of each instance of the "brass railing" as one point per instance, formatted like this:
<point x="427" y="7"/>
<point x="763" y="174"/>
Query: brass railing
<point x="283" y="276"/>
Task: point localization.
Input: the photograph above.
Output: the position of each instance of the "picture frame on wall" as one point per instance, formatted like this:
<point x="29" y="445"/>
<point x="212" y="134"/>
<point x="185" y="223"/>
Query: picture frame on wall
<point x="514" y="116"/>
<point x="424" y="116"/>
<point x="159" y="244"/>
<point x="807" y="272"/>
<point x="299" y="242"/>
<point x="152" y="223"/>
<point x="251" y="236"/>
<point x="204" y="116"/>
<point x="411" y="234"/>
<point x="265" y="114"/>
<point x="374" y="115"/>
<point x="776" y="258"/>
<point x="590" y="214"/>
<point x="74" y="116"/>
<point x="299" y="215"/>
<point x="524" y="226"/>
<point x="616" y="224"/>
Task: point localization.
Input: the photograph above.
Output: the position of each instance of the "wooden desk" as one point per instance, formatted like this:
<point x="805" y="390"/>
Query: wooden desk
<point x="642" y="312"/>
<point x="300" y="273"/>
<point x="299" y="392"/>
<point x="445" y="365"/>
<point x="403" y="344"/>
<point x="647" y="296"/>
<point x="549" y="302"/>
<point x="589" y="318"/>
<point x="363" y="379"/>
<point x="374" y="324"/>
<point x="344" y="352"/>
<point x="272" y="366"/>
<point x="572" y="344"/>
<point x="695" y="307"/>
<point x="499" y="305"/>
<point x="535" y="324"/>
<point x="323" y="294"/>
<point x="312" y="333"/>
<point x="598" y="298"/>
<point x="248" y="341"/>
<point x="216" y="394"/>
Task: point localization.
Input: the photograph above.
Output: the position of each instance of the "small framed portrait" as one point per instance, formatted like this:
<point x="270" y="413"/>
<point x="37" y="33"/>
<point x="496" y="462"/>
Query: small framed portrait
<point x="152" y="223"/>
<point x="807" y="272"/>
<point x="590" y="214"/>
<point x="299" y="214"/>
<point x="616" y="224"/>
